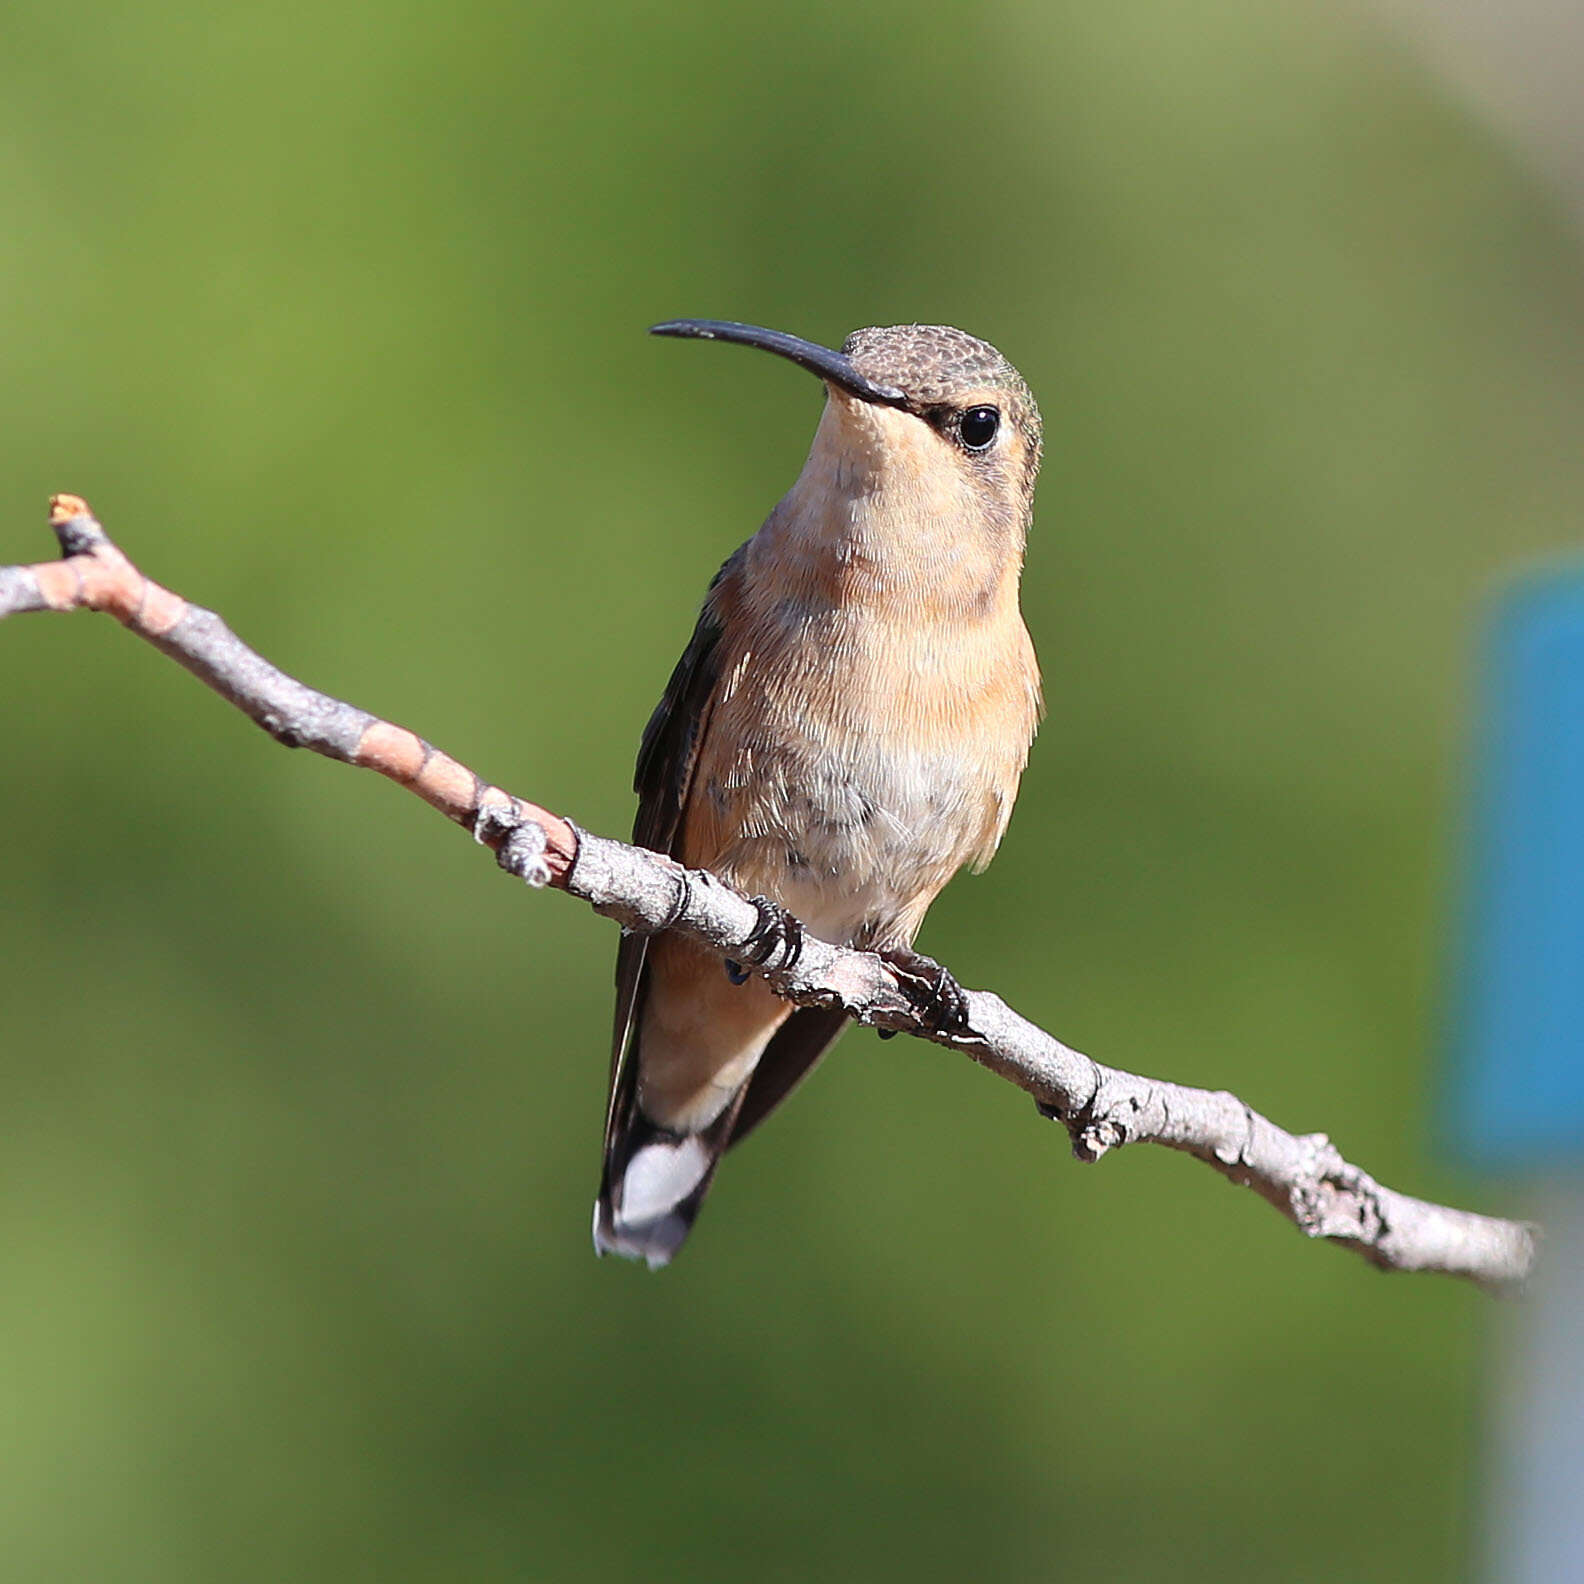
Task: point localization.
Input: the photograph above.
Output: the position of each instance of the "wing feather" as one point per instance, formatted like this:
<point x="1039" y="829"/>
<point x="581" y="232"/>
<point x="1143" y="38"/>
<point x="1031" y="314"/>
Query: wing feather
<point x="662" y="780"/>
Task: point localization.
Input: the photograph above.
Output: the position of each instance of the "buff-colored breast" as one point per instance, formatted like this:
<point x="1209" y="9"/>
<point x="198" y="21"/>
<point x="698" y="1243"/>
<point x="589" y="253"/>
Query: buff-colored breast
<point x="856" y="757"/>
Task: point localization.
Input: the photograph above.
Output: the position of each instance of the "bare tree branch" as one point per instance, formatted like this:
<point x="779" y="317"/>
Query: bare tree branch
<point x="1102" y="1108"/>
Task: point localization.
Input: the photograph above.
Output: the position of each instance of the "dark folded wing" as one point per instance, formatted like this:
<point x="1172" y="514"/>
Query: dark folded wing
<point x="666" y="757"/>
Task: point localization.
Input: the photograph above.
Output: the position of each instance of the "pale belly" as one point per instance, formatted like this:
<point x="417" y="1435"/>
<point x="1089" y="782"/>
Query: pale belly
<point x="853" y="763"/>
<point x="857" y="844"/>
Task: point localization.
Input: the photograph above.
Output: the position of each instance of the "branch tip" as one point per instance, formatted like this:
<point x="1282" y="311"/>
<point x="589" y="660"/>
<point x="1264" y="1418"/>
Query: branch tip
<point x="75" y="528"/>
<point x="64" y="507"/>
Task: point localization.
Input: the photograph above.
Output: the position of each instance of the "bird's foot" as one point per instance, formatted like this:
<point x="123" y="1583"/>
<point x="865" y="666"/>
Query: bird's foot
<point x="939" y="1002"/>
<point x="775" y="941"/>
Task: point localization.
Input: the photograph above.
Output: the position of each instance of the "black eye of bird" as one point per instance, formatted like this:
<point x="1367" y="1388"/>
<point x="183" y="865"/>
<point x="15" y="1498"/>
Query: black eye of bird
<point x="977" y="428"/>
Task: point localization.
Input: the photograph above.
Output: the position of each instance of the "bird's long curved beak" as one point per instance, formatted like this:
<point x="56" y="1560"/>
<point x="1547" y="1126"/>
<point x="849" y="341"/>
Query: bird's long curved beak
<point x="832" y="367"/>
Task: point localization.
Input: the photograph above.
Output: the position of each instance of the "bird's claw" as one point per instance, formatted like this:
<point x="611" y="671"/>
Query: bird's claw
<point x="938" y="1001"/>
<point x="776" y="940"/>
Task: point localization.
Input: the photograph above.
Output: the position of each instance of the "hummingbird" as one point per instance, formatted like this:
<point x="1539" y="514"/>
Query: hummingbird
<point x="844" y="732"/>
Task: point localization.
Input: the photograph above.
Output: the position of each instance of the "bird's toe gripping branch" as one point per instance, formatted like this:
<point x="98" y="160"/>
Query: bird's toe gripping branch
<point x="776" y="941"/>
<point x="937" y="1000"/>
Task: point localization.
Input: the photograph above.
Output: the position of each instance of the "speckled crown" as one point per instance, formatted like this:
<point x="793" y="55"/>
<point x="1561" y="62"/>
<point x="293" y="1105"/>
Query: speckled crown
<point x="933" y="363"/>
<point x="936" y="365"/>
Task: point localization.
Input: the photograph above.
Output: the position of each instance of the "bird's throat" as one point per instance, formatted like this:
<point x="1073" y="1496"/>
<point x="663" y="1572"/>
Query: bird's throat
<point x="875" y="521"/>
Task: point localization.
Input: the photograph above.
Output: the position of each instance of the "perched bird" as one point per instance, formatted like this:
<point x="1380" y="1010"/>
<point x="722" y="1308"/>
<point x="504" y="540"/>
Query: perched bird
<point x="845" y="731"/>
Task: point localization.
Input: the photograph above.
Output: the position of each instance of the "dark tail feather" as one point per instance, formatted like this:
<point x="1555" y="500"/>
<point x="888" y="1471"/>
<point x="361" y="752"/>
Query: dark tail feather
<point x="654" y="1184"/>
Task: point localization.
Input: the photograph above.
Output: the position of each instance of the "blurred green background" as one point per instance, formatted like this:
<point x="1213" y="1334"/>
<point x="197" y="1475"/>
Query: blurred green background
<point x="336" y="312"/>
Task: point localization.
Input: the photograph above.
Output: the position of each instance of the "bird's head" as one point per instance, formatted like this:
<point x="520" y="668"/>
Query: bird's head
<point x="925" y="421"/>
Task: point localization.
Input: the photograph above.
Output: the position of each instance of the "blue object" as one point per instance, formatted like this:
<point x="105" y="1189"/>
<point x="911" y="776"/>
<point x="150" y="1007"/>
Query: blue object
<point x="1518" y="1100"/>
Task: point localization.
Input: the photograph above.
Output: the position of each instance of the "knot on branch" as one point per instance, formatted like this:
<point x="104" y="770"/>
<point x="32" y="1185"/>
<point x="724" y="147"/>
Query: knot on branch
<point x="281" y="730"/>
<point x="518" y="841"/>
<point x="1331" y="1199"/>
<point x="1102" y="1124"/>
